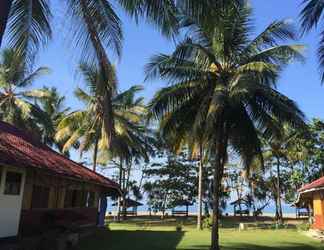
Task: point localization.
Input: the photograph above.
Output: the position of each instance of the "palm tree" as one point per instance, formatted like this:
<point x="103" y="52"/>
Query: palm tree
<point x="283" y="148"/>
<point x="86" y="128"/>
<point x="53" y="106"/>
<point x="16" y="99"/>
<point x="223" y="83"/>
<point x="311" y="15"/>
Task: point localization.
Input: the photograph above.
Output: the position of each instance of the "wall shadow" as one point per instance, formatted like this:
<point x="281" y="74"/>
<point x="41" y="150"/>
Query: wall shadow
<point x="132" y="240"/>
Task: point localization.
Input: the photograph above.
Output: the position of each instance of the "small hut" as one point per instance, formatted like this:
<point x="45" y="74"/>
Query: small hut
<point x="182" y="203"/>
<point x="311" y="199"/>
<point x="42" y="189"/>
<point x="241" y="207"/>
<point x="129" y="203"/>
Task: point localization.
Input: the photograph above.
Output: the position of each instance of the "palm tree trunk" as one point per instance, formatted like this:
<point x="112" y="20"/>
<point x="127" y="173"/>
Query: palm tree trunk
<point x="221" y="147"/>
<point x="106" y="67"/>
<point x="141" y="180"/>
<point x="95" y="154"/>
<point x="120" y="184"/>
<point x="5" y="6"/>
<point x="251" y="184"/>
<point x="200" y="188"/>
<point x="274" y="193"/>
<point x="216" y="192"/>
<point x="126" y="191"/>
<point x="280" y="217"/>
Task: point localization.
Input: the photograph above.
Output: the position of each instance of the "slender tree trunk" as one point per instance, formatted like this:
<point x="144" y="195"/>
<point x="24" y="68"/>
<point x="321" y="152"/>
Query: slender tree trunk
<point x="5" y="6"/>
<point x="200" y="188"/>
<point x="141" y="181"/>
<point x="251" y="184"/>
<point x="120" y="184"/>
<point x="164" y="205"/>
<point x="274" y="193"/>
<point x="106" y="67"/>
<point x="239" y="198"/>
<point x="280" y="218"/>
<point x="126" y="187"/>
<point x="95" y="154"/>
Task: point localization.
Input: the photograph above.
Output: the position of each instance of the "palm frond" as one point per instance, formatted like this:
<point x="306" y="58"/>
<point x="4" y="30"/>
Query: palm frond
<point x="311" y="14"/>
<point x="106" y="22"/>
<point x="29" y="27"/>
<point x="161" y="13"/>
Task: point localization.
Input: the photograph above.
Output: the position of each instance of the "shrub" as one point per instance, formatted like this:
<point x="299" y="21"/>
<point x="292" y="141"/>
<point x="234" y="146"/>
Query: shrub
<point x="207" y="222"/>
<point x="179" y="227"/>
<point x="304" y="227"/>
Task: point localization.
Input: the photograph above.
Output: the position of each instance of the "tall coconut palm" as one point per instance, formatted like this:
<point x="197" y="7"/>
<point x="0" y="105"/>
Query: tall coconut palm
<point x="283" y="148"/>
<point x="311" y="15"/>
<point x="16" y="98"/>
<point x="223" y="83"/>
<point x="86" y="127"/>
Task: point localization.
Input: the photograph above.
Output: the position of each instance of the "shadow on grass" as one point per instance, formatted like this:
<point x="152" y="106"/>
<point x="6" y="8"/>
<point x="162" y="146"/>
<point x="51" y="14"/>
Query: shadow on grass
<point x="132" y="240"/>
<point x="245" y="246"/>
<point x="167" y="240"/>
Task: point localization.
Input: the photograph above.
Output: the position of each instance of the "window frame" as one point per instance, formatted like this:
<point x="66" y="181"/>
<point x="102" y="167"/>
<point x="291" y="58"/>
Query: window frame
<point x="20" y="183"/>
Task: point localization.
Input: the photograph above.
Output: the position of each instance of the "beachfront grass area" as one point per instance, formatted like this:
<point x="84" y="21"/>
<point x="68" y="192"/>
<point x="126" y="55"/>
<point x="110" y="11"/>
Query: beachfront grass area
<point x="146" y="236"/>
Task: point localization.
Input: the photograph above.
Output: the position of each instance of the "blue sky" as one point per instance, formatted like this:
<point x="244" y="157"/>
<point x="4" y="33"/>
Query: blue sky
<point x="301" y="82"/>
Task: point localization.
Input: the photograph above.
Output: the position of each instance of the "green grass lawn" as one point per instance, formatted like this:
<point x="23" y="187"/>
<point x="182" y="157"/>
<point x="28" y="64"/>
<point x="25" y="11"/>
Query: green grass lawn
<point x="156" y="237"/>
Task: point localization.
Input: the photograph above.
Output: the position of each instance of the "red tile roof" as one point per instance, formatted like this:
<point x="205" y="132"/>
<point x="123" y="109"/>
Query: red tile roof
<point x="315" y="184"/>
<point x="19" y="149"/>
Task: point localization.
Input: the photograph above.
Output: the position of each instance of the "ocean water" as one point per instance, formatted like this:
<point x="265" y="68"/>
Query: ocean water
<point x="287" y="208"/>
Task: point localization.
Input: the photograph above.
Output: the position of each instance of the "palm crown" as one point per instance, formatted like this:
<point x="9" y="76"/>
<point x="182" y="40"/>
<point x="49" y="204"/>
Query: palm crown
<point x="219" y="74"/>
<point x="17" y="102"/>
<point x="85" y="128"/>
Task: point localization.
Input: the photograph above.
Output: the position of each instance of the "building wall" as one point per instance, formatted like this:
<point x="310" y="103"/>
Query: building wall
<point x="58" y="187"/>
<point x="33" y="220"/>
<point x="10" y="204"/>
<point x="318" y="206"/>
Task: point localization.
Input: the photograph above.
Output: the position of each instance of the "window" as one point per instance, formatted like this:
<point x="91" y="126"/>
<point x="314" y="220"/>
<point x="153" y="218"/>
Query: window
<point x="90" y="199"/>
<point x="13" y="183"/>
<point x="40" y="197"/>
<point x="74" y="198"/>
<point x="69" y="197"/>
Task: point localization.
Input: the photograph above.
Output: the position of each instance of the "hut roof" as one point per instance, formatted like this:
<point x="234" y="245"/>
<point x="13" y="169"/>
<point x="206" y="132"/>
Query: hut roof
<point x="130" y="203"/>
<point x="239" y="201"/>
<point x="319" y="183"/>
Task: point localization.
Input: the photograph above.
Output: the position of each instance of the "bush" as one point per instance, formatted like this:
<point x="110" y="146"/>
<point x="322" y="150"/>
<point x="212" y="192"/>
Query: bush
<point x="207" y="222"/>
<point x="179" y="227"/>
<point x="304" y="227"/>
